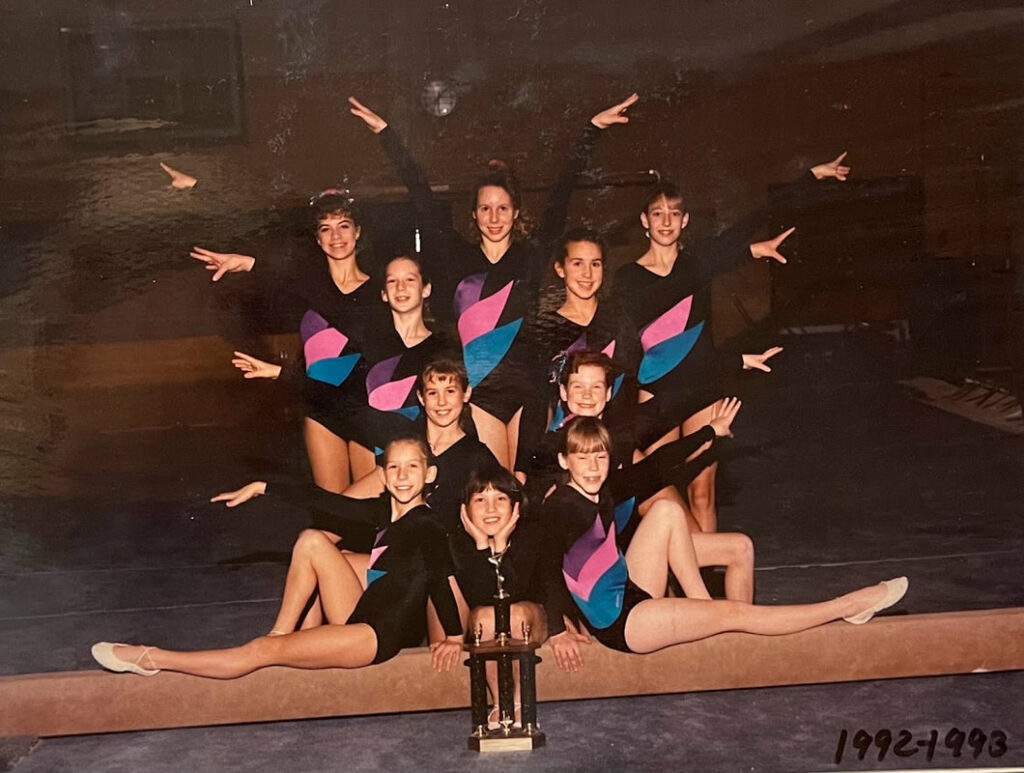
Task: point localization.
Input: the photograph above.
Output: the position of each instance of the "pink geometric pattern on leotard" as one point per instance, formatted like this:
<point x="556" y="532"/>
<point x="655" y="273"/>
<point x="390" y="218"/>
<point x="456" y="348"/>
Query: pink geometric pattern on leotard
<point x="671" y="323"/>
<point x="384" y="394"/>
<point x="482" y="317"/>
<point x="583" y="568"/>
<point x="327" y="343"/>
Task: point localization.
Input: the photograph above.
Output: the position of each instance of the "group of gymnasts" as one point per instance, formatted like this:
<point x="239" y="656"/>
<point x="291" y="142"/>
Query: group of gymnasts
<point x="575" y="446"/>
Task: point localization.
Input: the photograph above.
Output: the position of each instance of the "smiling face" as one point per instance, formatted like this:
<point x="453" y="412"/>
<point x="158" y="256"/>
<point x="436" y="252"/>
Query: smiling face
<point x="337" y="236"/>
<point x="582" y="269"/>
<point x="665" y="220"/>
<point x="490" y="510"/>
<point x="588" y="470"/>
<point x="443" y="399"/>
<point x="404" y="289"/>
<point x="494" y="213"/>
<point x="406" y="472"/>
<point x="587" y="392"/>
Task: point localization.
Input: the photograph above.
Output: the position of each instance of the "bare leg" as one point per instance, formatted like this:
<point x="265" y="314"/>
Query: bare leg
<point x="701" y="491"/>
<point x="513" y="438"/>
<point x="671" y="493"/>
<point x="735" y="552"/>
<point x="328" y="457"/>
<point x="317" y="563"/>
<point x="358" y="562"/>
<point x="659" y="623"/>
<point x="663" y="542"/>
<point x="361" y="460"/>
<point x="492" y="433"/>
<point x="327" y="646"/>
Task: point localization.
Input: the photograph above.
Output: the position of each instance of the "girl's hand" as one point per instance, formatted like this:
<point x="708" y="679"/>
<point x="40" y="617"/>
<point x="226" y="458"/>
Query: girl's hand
<point x="834" y="168"/>
<point x="254" y="368"/>
<point x="758" y="361"/>
<point x="770" y="248"/>
<point x="722" y="415"/>
<point x="615" y="114"/>
<point x="223" y="262"/>
<point x="482" y="540"/>
<point x="566" y="649"/>
<point x="370" y="118"/>
<point x="179" y="180"/>
<point x="501" y="538"/>
<point x="234" y="498"/>
<point x="445" y="654"/>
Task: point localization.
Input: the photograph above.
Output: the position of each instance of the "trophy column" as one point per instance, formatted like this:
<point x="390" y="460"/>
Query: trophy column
<point x="505" y="651"/>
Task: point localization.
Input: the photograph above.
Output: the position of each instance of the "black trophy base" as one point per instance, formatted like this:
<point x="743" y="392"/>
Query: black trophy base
<point x="518" y="740"/>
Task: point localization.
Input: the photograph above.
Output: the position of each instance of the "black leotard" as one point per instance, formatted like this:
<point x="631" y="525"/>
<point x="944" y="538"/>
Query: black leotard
<point x="530" y="568"/>
<point x="611" y="331"/>
<point x="454" y="466"/>
<point x="673" y="315"/>
<point x="409" y="563"/>
<point x="331" y="369"/>
<point x="593" y="536"/>
<point x="391" y="372"/>
<point x="491" y="304"/>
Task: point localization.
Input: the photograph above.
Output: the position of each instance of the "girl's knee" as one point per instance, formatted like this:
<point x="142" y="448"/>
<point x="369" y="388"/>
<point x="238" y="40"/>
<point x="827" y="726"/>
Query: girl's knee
<point x="310" y="540"/>
<point x="742" y="549"/>
<point x="482" y="618"/>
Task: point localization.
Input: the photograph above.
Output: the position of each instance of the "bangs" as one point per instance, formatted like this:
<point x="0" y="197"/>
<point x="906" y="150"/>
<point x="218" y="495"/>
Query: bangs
<point x="493" y="477"/>
<point x="587" y="435"/>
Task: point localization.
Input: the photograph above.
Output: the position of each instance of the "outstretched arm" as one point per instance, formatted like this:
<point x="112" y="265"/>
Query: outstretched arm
<point x="760" y="361"/>
<point x="234" y="498"/>
<point x="252" y="367"/>
<point x="179" y="180"/>
<point x="770" y="248"/>
<point x="834" y="168"/>
<point x="222" y="263"/>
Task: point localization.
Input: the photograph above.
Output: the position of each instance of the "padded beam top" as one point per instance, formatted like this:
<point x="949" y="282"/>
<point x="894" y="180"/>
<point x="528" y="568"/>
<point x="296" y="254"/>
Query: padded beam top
<point x="78" y="702"/>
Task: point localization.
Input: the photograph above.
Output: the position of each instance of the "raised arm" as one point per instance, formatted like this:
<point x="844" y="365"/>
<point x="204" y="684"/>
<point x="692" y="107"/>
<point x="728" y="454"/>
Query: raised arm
<point x="423" y="199"/>
<point x="553" y="221"/>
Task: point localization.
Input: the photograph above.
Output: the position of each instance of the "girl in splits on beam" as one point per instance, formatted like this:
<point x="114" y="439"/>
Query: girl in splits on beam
<point x="409" y="563"/>
<point x="619" y="584"/>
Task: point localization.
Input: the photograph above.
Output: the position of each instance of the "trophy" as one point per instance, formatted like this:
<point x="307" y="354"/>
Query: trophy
<point x="504" y="650"/>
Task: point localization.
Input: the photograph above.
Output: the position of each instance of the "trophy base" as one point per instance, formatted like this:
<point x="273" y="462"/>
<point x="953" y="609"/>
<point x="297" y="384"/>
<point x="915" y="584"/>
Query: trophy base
<point x="515" y="741"/>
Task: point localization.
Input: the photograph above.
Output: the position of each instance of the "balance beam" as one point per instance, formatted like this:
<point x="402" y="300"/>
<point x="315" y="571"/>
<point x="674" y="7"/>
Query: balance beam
<point x="79" y="702"/>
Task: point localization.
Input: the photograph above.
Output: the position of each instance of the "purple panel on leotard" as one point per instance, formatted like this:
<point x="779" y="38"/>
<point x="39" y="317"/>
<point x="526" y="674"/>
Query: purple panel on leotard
<point x="468" y="292"/>
<point x="311" y="323"/>
<point x="382" y="372"/>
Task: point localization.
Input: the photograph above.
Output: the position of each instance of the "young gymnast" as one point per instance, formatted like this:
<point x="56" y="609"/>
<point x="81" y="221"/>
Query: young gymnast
<point x="666" y="293"/>
<point x="443" y="392"/>
<point x="489" y="286"/>
<point x="585" y="321"/>
<point x="616" y="566"/>
<point x="410" y="564"/>
<point x="397" y="346"/>
<point x="493" y="529"/>
<point x="340" y="302"/>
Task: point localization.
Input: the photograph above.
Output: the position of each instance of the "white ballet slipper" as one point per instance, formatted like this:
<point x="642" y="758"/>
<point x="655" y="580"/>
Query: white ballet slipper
<point x="894" y="590"/>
